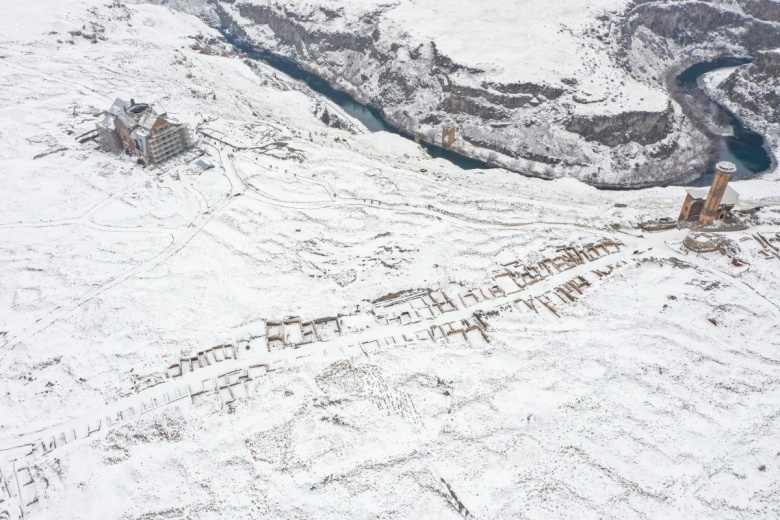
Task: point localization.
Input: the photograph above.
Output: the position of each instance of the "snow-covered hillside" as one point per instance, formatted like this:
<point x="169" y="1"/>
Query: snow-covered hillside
<point x="331" y="324"/>
<point x="550" y="89"/>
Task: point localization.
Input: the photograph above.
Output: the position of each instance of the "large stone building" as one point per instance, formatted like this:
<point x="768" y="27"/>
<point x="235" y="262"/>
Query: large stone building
<point x="138" y="129"/>
<point x="706" y="205"/>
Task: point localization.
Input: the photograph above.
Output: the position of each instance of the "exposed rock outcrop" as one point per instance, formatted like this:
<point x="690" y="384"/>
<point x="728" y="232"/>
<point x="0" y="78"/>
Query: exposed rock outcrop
<point x="756" y="88"/>
<point x="642" y="127"/>
<point x="752" y="92"/>
<point x="668" y="37"/>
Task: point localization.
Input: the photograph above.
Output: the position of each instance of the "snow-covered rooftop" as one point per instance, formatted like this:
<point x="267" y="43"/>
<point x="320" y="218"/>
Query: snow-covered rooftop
<point x="148" y="120"/>
<point x="118" y="106"/>
<point x="730" y="196"/>
<point x="108" y="121"/>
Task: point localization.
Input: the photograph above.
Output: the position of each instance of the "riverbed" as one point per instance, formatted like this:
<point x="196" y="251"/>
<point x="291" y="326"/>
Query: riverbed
<point x="737" y="143"/>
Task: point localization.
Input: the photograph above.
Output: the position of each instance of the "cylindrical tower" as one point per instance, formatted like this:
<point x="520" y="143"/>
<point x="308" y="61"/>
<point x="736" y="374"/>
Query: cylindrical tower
<point x="722" y="177"/>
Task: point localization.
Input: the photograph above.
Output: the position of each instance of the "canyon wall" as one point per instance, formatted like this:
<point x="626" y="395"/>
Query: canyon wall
<point x="608" y="115"/>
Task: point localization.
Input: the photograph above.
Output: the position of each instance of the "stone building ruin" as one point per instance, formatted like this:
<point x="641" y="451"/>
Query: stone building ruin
<point x="142" y="130"/>
<point x="706" y="205"/>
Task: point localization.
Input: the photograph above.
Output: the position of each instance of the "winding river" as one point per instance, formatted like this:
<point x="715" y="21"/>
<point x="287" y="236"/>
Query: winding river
<point x="739" y="145"/>
<point x="742" y="146"/>
<point x="370" y="117"/>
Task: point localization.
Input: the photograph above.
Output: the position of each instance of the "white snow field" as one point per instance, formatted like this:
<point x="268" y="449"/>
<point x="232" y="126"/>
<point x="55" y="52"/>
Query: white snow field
<point x="544" y="47"/>
<point x="331" y="324"/>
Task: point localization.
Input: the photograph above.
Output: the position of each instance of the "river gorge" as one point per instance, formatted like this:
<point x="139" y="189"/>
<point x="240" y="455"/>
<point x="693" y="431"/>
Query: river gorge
<point x="735" y="142"/>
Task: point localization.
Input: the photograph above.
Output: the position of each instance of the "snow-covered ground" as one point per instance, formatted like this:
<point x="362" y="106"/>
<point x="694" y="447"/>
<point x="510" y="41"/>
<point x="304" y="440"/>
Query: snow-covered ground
<point x="402" y="338"/>
<point x="545" y="47"/>
<point x="581" y="89"/>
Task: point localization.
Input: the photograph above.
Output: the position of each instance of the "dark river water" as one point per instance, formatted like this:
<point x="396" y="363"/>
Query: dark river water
<point x="743" y="147"/>
<point x="370" y="117"/>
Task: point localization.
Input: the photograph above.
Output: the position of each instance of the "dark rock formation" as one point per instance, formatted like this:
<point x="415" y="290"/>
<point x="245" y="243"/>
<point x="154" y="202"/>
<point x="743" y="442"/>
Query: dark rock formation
<point x="756" y="88"/>
<point x="642" y="127"/>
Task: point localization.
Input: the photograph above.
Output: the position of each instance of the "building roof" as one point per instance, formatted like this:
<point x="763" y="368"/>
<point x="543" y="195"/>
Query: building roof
<point x="141" y="115"/>
<point x="126" y="120"/>
<point x="730" y="197"/>
<point x="148" y="120"/>
<point x="108" y="121"/>
<point x="158" y="108"/>
<point x="119" y="105"/>
<point x="203" y="164"/>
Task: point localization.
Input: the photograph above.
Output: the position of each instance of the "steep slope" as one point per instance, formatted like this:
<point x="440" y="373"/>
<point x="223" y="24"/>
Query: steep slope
<point x="753" y="92"/>
<point x="548" y="89"/>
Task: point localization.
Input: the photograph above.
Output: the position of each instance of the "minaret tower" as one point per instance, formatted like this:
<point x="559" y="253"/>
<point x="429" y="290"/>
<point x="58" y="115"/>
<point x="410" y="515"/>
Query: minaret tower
<point x="722" y="177"/>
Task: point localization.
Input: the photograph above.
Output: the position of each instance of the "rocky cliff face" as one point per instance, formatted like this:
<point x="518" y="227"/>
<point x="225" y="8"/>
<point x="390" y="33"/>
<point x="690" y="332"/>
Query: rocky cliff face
<point x="768" y="10"/>
<point x="620" y="129"/>
<point x="660" y="39"/>
<point x="758" y="87"/>
<point x="644" y="128"/>
<point x="752" y="92"/>
<point x="755" y="90"/>
<point x="701" y="25"/>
